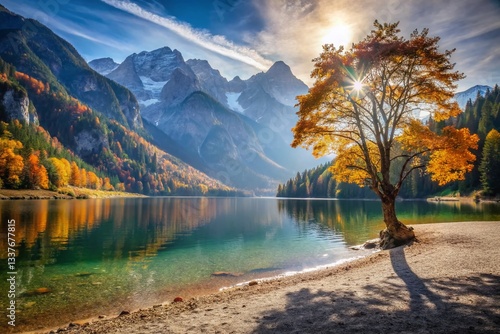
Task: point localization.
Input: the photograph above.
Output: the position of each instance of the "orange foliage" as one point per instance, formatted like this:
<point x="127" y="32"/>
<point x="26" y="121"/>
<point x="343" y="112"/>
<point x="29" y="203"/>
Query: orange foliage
<point x="75" y="179"/>
<point x="11" y="163"/>
<point x="107" y="185"/>
<point x="76" y="107"/>
<point x="37" y="85"/>
<point x="63" y="171"/>
<point x="36" y="173"/>
<point x="93" y="180"/>
<point x="83" y="178"/>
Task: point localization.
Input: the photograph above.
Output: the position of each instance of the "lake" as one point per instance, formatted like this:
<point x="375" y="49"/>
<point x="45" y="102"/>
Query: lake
<point x="82" y="258"/>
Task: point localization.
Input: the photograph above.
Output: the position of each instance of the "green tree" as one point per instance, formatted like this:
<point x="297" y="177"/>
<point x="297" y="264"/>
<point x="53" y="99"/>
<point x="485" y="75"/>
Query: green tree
<point x="490" y="164"/>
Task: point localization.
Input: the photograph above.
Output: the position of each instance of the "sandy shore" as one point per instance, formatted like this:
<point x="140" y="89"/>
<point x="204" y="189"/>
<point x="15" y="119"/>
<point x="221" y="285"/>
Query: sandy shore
<point x="447" y="282"/>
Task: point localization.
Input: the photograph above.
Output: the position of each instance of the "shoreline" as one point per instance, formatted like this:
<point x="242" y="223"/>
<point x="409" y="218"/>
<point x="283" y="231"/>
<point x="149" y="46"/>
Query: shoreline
<point x="64" y="193"/>
<point x="447" y="280"/>
<point x="70" y="192"/>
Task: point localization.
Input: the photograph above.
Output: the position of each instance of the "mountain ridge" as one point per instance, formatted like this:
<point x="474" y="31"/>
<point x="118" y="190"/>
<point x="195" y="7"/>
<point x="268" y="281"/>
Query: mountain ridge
<point x="265" y="101"/>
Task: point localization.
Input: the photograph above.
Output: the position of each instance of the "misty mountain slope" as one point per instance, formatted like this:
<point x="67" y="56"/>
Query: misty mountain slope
<point x="220" y="138"/>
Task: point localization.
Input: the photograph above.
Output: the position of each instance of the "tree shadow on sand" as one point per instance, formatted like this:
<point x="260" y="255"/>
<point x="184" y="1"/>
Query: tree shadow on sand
<point x="441" y="305"/>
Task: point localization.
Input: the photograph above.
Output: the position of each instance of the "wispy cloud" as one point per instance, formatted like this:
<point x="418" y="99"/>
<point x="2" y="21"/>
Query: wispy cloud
<point x="298" y="27"/>
<point x="103" y="39"/>
<point x="215" y="43"/>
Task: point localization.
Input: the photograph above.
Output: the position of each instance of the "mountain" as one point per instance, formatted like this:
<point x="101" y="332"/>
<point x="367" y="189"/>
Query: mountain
<point x="62" y="123"/>
<point x="245" y="124"/>
<point x="146" y="73"/>
<point x="471" y="94"/>
<point x="269" y="98"/>
<point x="211" y="81"/>
<point x="35" y="50"/>
<point x="103" y="65"/>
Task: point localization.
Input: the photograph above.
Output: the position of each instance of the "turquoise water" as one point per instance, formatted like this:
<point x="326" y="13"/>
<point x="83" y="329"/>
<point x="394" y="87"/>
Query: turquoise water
<point x="81" y="258"/>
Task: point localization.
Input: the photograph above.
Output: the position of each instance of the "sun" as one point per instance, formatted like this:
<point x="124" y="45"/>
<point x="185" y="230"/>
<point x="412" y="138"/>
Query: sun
<point x="358" y="85"/>
<point x="337" y="34"/>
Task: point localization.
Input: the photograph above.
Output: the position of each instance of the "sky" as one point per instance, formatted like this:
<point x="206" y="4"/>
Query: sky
<point x="244" y="37"/>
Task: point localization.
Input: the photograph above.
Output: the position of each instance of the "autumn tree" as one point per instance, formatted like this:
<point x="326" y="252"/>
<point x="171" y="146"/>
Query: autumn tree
<point x="107" y="185"/>
<point x="36" y="173"/>
<point x="364" y="107"/>
<point x="94" y="182"/>
<point x="75" y="179"/>
<point x="83" y="178"/>
<point x="11" y="163"/>
<point x="62" y="172"/>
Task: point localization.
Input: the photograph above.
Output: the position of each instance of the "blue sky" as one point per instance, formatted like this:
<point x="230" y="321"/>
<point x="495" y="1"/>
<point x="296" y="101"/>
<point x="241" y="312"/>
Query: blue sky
<point x="244" y="37"/>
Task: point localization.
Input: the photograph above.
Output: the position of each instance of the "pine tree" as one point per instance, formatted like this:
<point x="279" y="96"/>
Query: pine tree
<point x="490" y="164"/>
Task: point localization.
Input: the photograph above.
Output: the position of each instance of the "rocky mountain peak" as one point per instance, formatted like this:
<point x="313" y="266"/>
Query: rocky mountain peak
<point x="180" y="85"/>
<point x="280" y="69"/>
<point x="211" y="81"/>
<point x="236" y="85"/>
<point x="279" y="83"/>
<point x="103" y="65"/>
<point x="158" y="64"/>
<point x="202" y="67"/>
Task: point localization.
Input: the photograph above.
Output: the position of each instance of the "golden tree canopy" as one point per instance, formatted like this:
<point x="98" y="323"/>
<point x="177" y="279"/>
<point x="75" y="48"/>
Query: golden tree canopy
<point x="366" y="106"/>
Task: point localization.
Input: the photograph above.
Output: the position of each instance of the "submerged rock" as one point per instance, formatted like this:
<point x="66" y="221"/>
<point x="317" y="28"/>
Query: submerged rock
<point x="226" y="274"/>
<point x="37" y="292"/>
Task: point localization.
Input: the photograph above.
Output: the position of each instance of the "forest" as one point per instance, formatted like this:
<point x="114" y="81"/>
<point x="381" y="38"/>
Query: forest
<point x="481" y="117"/>
<point x="66" y="142"/>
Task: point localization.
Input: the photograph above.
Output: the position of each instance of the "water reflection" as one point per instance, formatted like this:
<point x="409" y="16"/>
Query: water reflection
<point x="131" y="227"/>
<point x="357" y="221"/>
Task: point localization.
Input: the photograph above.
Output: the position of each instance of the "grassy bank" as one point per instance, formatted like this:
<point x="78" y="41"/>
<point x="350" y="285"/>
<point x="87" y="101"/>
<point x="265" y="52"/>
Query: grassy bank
<point x="62" y="193"/>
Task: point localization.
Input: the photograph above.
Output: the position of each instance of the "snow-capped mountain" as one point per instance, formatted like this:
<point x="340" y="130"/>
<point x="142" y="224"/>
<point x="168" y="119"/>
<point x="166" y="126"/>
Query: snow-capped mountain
<point x="471" y="94"/>
<point x="237" y="131"/>
<point x="146" y="73"/>
<point x="103" y="65"/>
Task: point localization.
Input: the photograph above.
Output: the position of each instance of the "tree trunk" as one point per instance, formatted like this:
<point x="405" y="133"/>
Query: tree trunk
<point x="396" y="233"/>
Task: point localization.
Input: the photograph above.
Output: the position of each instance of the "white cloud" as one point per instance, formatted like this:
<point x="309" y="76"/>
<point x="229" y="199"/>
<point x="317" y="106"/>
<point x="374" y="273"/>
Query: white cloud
<point x="215" y="43"/>
<point x="295" y="29"/>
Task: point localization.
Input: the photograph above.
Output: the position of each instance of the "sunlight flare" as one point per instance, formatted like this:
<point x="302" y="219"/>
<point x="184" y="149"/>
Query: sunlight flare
<point x="358" y="85"/>
<point x="338" y="34"/>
